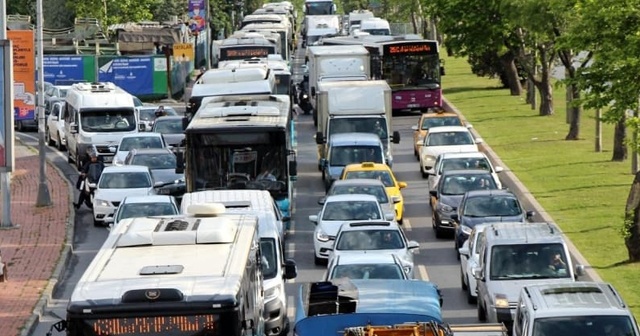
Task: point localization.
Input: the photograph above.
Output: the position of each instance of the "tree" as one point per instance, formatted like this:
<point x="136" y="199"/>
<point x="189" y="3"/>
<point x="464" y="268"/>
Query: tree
<point x="631" y="228"/>
<point x="21" y="7"/>
<point x="162" y="10"/>
<point x="113" y="11"/>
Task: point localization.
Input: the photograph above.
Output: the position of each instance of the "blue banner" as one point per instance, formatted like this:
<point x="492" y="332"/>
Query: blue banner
<point x="133" y="74"/>
<point x="63" y="70"/>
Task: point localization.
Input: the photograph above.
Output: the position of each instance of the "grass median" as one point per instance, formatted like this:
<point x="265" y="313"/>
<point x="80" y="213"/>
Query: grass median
<point x="582" y="190"/>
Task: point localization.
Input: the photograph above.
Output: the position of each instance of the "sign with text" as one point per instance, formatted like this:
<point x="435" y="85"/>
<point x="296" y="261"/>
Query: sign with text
<point x="239" y="53"/>
<point x="133" y="74"/>
<point x="183" y="52"/>
<point x="411" y="48"/>
<point x="6" y="106"/>
<point x="24" y="68"/>
<point x="197" y="15"/>
<point x="63" y="70"/>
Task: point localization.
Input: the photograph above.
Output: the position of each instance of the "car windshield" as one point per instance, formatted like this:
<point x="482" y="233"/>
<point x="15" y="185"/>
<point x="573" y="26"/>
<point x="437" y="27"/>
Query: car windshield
<point x="131" y="210"/>
<point x="378" y="191"/>
<point x="367" y="271"/>
<point x="351" y="211"/>
<point x="63" y="93"/>
<point x="269" y="258"/>
<point x="357" y="240"/>
<point x="610" y="325"/>
<point x="111" y="120"/>
<point x="491" y="205"/>
<point x="168" y="126"/>
<point x="449" y="139"/>
<point x="155" y="161"/>
<point x="128" y="144"/>
<point x="344" y="155"/>
<point x="528" y="261"/>
<point x="440" y="121"/>
<point x="465" y="163"/>
<point x="460" y="184"/>
<point x="149" y="113"/>
<point x="381" y="175"/>
<point x="124" y="180"/>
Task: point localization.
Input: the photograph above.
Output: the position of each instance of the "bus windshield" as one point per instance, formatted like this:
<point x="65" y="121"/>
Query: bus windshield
<point x="111" y="120"/>
<point x="172" y="325"/>
<point x="406" y="71"/>
<point x="319" y="8"/>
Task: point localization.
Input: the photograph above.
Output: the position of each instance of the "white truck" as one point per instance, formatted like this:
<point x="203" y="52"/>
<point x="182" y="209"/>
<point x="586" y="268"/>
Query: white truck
<point x="355" y="106"/>
<point x="356" y="16"/>
<point x="318" y="26"/>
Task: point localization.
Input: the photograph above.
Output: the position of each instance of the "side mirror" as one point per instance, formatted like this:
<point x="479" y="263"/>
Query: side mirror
<point x="142" y="127"/>
<point x="402" y="185"/>
<point x="73" y="128"/>
<point x="479" y="140"/>
<point x="389" y="216"/>
<point x="464" y="250"/>
<point x="469" y="126"/>
<point x="313" y="219"/>
<point x="319" y="138"/>
<point x="286" y="218"/>
<point x="477" y="273"/>
<point x="579" y="270"/>
<point x="433" y="193"/>
<point x="290" y="269"/>
<point x="442" y="72"/>
<point x="321" y="200"/>
<point x="530" y="214"/>
<point x="293" y="168"/>
<point x="396" y="137"/>
<point x="395" y="199"/>
<point x="414" y="127"/>
<point x="179" y="162"/>
<point x="455" y="217"/>
<point x="498" y="169"/>
<point x="431" y="171"/>
<point x="412" y="245"/>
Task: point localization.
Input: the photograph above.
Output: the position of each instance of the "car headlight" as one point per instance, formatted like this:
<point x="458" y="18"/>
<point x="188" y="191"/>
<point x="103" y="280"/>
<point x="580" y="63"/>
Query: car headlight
<point x="431" y="157"/>
<point x="100" y="202"/>
<point x="465" y="230"/>
<point x="501" y="301"/>
<point x="272" y="293"/>
<point x="444" y="207"/>
<point x="322" y="236"/>
<point x="304" y="96"/>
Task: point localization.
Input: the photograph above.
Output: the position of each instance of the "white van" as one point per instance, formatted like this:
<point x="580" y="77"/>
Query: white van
<point x="261" y="204"/>
<point x="98" y="114"/>
<point x="375" y="26"/>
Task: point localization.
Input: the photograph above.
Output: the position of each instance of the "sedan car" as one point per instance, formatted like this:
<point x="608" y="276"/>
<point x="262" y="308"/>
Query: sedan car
<point x="162" y="162"/>
<point x="336" y="210"/>
<point x="469" y="254"/>
<point x="117" y="182"/>
<point x="447" y="197"/>
<point x="485" y="206"/>
<point x="367" y="187"/>
<point x="428" y="120"/>
<point x="366" y="266"/>
<point x="446" y="139"/>
<point x="144" y="206"/>
<point x="147" y="115"/>
<point x="136" y="141"/>
<point x="54" y="130"/>
<point x="373" y="237"/>
<point x="171" y="129"/>
<point x="460" y="161"/>
<point x="382" y="172"/>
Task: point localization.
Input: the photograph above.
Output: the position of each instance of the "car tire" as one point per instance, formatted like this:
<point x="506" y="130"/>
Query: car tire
<point x="401" y="220"/>
<point x="98" y="223"/>
<point x="47" y="138"/>
<point x="455" y="246"/>
<point x="470" y="298"/>
<point x="424" y="175"/>
<point x="317" y="261"/>
<point x="323" y="176"/>
<point x="60" y="145"/>
<point x="19" y="126"/>
<point x="439" y="233"/>
<point x="482" y="314"/>
<point x="463" y="284"/>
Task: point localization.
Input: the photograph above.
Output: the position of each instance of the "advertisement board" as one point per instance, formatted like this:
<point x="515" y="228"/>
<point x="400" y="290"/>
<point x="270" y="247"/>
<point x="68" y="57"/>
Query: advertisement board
<point x="197" y="15"/>
<point x="64" y="70"/>
<point x="133" y="74"/>
<point x="6" y="107"/>
<point x="24" y="69"/>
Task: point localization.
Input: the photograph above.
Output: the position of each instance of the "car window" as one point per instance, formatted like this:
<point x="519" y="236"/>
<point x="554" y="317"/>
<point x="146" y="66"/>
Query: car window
<point x="465" y="163"/>
<point x="269" y="258"/>
<point x="449" y="139"/>
<point x="128" y="144"/>
<point x="440" y="121"/>
<point x="131" y="210"/>
<point x="367" y="271"/>
<point x="381" y="175"/>
<point x="490" y="206"/>
<point x="527" y="261"/>
<point x="369" y="240"/>
<point x="460" y="184"/>
<point x="344" y="155"/>
<point x="378" y="191"/>
<point x="168" y="126"/>
<point x="479" y="242"/>
<point x="155" y="161"/>
<point x="351" y="210"/>
<point x="124" y="180"/>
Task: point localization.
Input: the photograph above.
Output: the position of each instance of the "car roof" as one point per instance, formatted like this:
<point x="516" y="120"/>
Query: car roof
<point x="151" y="151"/>
<point x="142" y="135"/>
<point x="358" y="182"/>
<point x="126" y="168"/>
<point x="493" y="192"/>
<point x="147" y="199"/>
<point x="370" y="166"/>
<point x="466" y="172"/>
<point x="369" y="225"/>
<point x="359" y="138"/>
<point x="350" y="197"/>
<point x="442" y="129"/>
<point x="366" y="258"/>
<point x="439" y="114"/>
<point x="476" y="154"/>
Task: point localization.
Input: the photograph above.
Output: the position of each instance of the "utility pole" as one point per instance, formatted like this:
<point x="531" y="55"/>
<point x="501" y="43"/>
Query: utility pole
<point x="5" y="178"/>
<point x="208" y="37"/>
<point x="44" y="197"/>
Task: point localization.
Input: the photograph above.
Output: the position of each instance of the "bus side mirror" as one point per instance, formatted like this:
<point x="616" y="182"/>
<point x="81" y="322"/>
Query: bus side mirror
<point x="290" y="269"/>
<point x="185" y="123"/>
<point x="179" y="162"/>
<point x="313" y="91"/>
<point x="73" y="128"/>
<point x="319" y="138"/>
<point x="396" y="137"/>
<point x="293" y="168"/>
<point x="442" y="68"/>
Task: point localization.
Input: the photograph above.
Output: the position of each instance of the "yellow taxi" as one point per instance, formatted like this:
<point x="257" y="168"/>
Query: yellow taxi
<point x="432" y="119"/>
<point x="382" y="172"/>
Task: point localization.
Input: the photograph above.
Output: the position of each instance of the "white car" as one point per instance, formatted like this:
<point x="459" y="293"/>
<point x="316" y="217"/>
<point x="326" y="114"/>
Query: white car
<point x="445" y="139"/>
<point x="336" y="210"/>
<point x="136" y="141"/>
<point x="366" y="266"/>
<point x="375" y="237"/>
<point x="54" y="134"/>
<point x="469" y="254"/>
<point x="147" y="205"/>
<point x="373" y="187"/>
<point x="461" y="161"/>
<point x="116" y="183"/>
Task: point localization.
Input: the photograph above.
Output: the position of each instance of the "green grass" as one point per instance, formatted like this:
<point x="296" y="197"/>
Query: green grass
<point x="583" y="191"/>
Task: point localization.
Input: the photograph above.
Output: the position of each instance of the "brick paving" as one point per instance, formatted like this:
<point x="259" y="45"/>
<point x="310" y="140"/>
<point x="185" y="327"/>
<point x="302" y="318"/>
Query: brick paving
<point x="32" y="248"/>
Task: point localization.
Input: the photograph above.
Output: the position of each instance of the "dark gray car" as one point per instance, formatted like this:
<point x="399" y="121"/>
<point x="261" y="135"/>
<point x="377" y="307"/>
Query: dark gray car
<point x="447" y="197"/>
<point x="171" y="129"/>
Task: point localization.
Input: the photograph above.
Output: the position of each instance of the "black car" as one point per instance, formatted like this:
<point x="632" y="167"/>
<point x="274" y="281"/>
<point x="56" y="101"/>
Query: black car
<point x="486" y="206"/>
<point x="162" y="162"/>
<point x="452" y="186"/>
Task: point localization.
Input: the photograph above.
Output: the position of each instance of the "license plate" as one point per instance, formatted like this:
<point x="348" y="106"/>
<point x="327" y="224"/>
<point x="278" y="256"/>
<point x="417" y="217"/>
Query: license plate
<point x="413" y="105"/>
<point x="107" y="159"/>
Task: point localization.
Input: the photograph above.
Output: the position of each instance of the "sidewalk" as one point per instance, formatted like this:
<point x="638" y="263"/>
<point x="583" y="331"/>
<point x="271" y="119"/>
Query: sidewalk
<point x="32" y="248"/>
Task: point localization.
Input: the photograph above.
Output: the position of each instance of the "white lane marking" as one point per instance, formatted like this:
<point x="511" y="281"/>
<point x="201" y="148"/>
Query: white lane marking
<point x="406" y="223"/>
<point x="56" y="152"/>
<point x="422" y="272"/>
<point x="291" y="309"/>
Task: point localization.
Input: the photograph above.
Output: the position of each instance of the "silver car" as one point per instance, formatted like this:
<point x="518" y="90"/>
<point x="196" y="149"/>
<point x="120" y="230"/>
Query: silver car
<point x="364" y="186"/>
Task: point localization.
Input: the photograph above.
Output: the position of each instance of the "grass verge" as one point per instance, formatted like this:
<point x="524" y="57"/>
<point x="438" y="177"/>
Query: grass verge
<point x="581" y="189"/>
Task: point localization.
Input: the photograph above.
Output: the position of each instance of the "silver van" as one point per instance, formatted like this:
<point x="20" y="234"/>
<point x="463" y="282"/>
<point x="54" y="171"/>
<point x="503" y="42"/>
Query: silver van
<point x="514" y="255"/>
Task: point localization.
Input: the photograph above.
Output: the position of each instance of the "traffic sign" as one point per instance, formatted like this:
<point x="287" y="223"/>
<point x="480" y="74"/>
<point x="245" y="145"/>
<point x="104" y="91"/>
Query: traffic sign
<point x="183" y="52"/>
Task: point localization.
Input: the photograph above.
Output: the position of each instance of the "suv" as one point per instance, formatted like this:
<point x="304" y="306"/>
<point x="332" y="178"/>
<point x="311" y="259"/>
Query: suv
<point x="385" y="237"/>
<point x="514" y="255"/>
<point x="579" y="308"/>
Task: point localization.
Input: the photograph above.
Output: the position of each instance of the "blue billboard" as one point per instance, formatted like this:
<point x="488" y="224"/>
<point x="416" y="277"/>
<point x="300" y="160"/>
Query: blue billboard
<point x="133" y="74"/>
<point x="64" y="70"/>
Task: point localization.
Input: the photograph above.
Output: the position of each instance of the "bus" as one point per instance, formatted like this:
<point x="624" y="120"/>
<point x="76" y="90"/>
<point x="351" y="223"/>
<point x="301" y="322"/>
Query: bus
<point x="241" y="142"/>
<point x="410" y="65"/>
<point x="239" y="48"/>
<point x="197" y="275"/>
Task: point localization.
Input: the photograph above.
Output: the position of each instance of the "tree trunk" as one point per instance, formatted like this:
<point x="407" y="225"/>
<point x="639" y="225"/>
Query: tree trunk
<point x="546" y="96"/>
<point x="575" y="112"/>
<point x="632" y="221"/>
<point x="511" y="72"/>
<point x="619" y="139"/>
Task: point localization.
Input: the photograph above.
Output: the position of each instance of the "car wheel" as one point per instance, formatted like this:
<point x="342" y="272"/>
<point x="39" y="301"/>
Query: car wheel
<point x="318" y="261"/>
<point x="424" y="175"/>
<point x="98" y="223"/>
<point x="60" y="145"/>
<point x="463" y="284"/>
<point x="323" y="176"/>
<point x="415" y="152"/>
<point x="482" y="314"/>
<point x="470" y="298"/>
<point x="47" y="137"/>
<point x="401" y="220"/>
<point x="456" y="246"/>
<point x="439" y="233"/>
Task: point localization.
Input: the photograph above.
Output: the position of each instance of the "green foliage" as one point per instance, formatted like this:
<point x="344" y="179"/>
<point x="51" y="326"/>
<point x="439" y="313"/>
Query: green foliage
<point x="114" y="11"/>
<point x="21" y="7"/>
<point x="162" y="10"/>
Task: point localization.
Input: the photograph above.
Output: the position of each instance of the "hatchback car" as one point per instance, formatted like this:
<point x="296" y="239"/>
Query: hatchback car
<point x="447" y="197"/>
<point x="147" y="115"/>
<point x="445" y="139"/>
<point x="161" y="161"/>
<point x="144" y="206"/>
<point x="136" y="141"/>
<point x="337" y="210"/>
<point x="486" y="206"/>
<point x="372" y="237"/>
<point x="428" y="120"/>
<point x="117" y="182"/>
<point x="367" y="187"/>
<point x="461" y="161"/>
<point x="382" y="172"/>
<point x="366" y="266"/>
<point x="171" y="129"/>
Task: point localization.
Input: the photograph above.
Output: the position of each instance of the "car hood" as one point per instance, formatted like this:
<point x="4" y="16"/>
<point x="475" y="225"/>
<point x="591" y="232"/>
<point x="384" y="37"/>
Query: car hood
<point x="166" y="175"/>
<point x="117" y="195"/>
<point x="120" y="156"/>
<point x="473" y="221"/>
<point x="331" y="227"/>
<point x="437" y="150"/>
<point x="173" y="139"/>
<point x="512" y="288"/>
<point x="451" y="200"/>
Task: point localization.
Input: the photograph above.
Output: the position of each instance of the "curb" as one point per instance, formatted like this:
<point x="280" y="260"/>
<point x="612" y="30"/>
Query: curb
<point x="65" y="255"/>
<point x="523" y="192"/>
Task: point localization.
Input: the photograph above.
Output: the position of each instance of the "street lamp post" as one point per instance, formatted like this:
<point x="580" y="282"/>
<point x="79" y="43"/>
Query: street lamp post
<point x="44" y="197"/>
